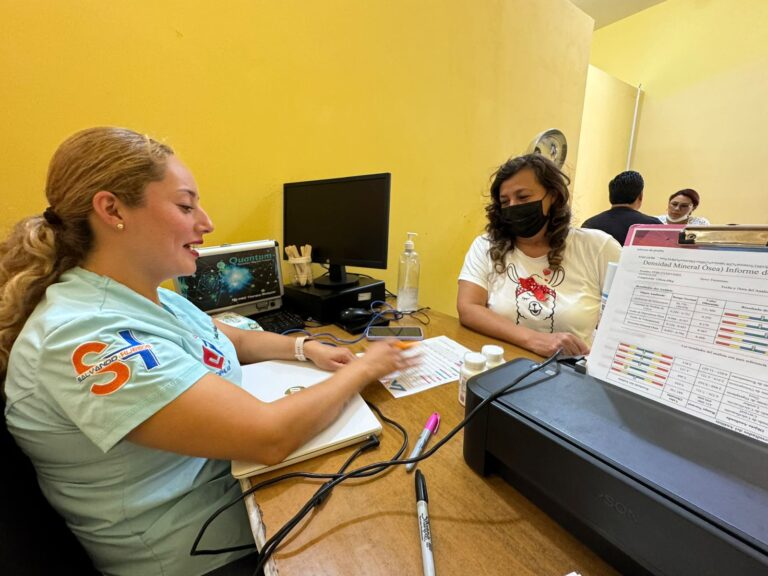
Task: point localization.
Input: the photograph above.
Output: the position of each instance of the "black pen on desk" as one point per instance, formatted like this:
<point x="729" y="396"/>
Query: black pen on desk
<point x="425" y="531"/>
<point x="429" y="428"/>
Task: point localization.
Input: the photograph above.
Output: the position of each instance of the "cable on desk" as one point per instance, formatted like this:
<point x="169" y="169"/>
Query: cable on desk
<point x="316" y="499"/>
<point x="372" y="442"/>
<point x="378" y="467"/>
<point x="362" y="472"/>
<point x="375" y="307"/>
<point x="322" y="493"/>
<point x="420" y="314"/>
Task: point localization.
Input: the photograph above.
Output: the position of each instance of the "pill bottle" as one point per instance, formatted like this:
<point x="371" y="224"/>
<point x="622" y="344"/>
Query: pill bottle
<point x="494" y="355"/>
<point x="474" y="363"/>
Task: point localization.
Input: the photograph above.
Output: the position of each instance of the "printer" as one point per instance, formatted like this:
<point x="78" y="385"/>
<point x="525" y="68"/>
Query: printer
<point x="651" y="489"/>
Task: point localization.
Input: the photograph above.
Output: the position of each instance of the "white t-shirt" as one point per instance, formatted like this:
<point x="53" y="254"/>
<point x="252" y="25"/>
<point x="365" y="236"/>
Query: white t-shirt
<point x="531" y="295"/>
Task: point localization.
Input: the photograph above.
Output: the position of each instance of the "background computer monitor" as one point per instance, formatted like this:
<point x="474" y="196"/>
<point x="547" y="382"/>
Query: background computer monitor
<point x="346" y="220"/>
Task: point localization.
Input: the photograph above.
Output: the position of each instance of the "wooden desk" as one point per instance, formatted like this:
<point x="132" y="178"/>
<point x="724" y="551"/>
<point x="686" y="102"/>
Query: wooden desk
<point x="480" y="525"/>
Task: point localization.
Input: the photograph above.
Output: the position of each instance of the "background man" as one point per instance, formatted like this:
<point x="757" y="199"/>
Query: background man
<point x="625" y="193"/>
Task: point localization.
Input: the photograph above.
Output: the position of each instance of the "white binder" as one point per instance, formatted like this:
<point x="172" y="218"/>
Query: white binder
<point x="274" y="379"/>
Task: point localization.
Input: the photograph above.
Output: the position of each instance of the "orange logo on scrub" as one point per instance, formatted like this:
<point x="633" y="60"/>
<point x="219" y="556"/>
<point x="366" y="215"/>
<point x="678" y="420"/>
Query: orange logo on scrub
<point x="111" y="364"/>
<point x="121" y="372"/>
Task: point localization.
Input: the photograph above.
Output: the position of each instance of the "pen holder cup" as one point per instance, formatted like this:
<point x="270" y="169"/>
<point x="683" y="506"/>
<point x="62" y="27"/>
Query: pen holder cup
<point x="302" y="270"/>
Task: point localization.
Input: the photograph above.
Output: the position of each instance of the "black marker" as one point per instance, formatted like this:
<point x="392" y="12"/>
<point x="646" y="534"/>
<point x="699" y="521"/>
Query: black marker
<point x="425" y="533"/>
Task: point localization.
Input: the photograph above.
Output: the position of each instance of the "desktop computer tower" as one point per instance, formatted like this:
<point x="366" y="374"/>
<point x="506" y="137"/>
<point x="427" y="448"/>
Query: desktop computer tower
<point x="324" y="305"/>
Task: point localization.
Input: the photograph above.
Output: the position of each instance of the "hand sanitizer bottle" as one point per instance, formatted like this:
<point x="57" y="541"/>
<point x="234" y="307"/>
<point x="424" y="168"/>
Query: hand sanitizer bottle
<point x="408" y="278"/>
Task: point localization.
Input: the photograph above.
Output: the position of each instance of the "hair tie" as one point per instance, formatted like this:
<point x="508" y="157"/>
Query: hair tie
<point x="52" y="218"/>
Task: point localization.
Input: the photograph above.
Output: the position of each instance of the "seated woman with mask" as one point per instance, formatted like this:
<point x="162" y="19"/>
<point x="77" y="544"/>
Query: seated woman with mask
<point x="532" y="279"/>
<point x="680" y="209"/>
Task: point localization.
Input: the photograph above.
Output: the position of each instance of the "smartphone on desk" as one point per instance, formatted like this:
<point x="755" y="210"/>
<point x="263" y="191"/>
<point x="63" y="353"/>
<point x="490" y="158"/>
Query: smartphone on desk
<point x="399" y="332"/>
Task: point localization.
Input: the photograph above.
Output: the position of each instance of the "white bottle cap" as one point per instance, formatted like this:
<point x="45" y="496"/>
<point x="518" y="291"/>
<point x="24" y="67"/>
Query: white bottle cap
<point x="409" y="242"/>
<point x="493" y="352"/>
<point x="474" y="361"/>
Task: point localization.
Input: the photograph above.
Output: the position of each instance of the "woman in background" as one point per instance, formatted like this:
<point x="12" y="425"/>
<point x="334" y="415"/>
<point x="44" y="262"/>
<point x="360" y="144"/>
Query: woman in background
<point x="124" y="395"/>
<point x="680" y="209"/>
<point x="532" y="279"/>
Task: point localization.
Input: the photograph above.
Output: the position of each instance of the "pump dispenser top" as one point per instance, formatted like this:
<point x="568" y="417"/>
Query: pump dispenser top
<point x="409" y="242"/>
<point x="408" y="277"/>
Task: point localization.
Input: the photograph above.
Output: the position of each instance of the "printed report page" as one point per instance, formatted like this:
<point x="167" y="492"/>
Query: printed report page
<point x="689" y="328"/>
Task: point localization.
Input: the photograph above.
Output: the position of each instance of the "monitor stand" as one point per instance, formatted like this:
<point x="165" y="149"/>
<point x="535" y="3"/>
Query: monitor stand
<point x="337" y="278"/>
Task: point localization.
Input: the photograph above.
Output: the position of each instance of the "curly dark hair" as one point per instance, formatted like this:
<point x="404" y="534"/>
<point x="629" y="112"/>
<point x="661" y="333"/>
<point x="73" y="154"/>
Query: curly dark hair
<point x="556" y="183"/>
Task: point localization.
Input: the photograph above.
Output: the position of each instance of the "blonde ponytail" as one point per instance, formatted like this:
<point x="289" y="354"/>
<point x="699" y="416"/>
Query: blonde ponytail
<point x="40" y="248"/>
<point x="27" y="268"/>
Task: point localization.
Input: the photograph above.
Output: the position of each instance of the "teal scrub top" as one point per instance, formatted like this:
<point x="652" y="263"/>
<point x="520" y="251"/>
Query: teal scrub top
<point x="93" y="361"/>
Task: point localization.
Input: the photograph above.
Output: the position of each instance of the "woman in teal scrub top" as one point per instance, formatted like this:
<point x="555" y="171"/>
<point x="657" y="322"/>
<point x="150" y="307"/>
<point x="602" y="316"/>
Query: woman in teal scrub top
<point x="123" y="394"/>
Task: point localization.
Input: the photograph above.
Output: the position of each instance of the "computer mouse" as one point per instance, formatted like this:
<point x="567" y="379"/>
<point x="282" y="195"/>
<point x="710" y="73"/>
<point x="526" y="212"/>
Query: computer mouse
<point x="350" y="315"/>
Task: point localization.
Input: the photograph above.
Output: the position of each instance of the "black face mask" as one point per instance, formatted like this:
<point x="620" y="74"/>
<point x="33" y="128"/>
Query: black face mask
<point x="524" y="220"/>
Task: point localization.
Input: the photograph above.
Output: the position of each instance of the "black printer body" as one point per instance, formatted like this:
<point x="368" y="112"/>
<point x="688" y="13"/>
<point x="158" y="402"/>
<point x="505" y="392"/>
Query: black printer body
<point x="651" y="489"/>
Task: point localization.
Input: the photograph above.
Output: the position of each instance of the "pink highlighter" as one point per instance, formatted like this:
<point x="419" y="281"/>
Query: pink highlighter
<point x="429" y="428"/>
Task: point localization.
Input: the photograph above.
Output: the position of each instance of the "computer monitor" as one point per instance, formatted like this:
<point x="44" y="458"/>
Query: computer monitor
<point x="345" y="220"/>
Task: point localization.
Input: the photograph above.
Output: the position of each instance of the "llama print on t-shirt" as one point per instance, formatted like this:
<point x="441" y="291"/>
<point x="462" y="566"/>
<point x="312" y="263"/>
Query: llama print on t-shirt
<point x="536" y="298"/>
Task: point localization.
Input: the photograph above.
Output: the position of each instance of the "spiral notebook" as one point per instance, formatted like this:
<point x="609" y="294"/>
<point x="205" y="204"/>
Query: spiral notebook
<point x="274" y="379"/>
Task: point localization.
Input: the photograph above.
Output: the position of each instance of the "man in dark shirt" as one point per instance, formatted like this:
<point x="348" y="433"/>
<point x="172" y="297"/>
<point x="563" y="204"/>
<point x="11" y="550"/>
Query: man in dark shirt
<point x="625" y="192"/>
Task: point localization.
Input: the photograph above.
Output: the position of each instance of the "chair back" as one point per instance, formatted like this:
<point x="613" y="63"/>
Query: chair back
<point x="34" y="539"/>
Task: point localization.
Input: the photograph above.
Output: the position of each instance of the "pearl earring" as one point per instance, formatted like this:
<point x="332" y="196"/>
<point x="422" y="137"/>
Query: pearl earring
<point x="120" y="226"/>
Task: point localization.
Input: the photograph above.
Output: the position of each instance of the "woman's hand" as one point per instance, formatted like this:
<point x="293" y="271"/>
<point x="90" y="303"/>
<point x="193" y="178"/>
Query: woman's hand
<point x="386" y="356"/>
<point x="547" y="344"/>
<point x="327" y="357"/>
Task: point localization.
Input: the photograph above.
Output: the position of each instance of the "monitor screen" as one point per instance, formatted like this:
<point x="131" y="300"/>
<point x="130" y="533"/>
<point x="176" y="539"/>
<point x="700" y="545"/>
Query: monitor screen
<point x="345" y="220"/>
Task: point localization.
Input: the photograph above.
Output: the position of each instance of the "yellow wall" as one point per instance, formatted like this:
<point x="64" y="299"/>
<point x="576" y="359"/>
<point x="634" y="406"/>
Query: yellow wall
<point x="704" y="70"/>
<point x="253" y="93"/>
<point x="606" y="127"/>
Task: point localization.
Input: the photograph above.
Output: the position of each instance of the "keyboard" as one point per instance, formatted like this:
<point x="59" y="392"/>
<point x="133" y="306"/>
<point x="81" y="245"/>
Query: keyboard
<point x="279" y="321"/>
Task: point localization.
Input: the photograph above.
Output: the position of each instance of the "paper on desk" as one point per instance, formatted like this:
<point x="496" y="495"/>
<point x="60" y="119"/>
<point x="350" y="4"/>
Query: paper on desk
<point x="441" y="360"/>
<point x="689" y="329"/>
